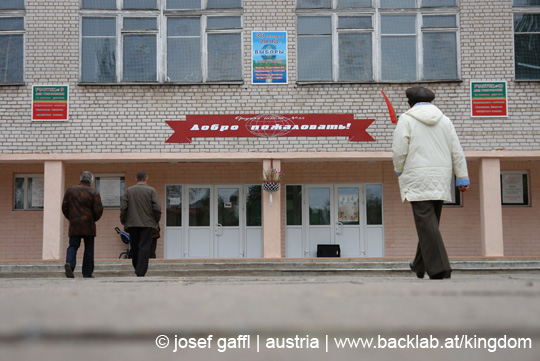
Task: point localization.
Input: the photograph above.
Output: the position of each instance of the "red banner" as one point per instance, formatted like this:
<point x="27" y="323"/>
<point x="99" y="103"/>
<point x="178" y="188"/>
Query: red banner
<point x="270" y="125"/>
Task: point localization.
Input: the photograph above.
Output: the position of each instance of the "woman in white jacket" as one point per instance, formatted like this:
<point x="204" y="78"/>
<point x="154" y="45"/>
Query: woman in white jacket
<point x="426" y="153"/>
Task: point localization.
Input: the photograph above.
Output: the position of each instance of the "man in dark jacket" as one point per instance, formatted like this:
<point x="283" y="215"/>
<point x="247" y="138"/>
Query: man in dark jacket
<point x="82" y="207"/>
<point x="140" y="214"/>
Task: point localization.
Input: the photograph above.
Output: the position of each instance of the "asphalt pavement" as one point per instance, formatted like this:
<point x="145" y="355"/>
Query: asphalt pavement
<point x="321" y="317"/>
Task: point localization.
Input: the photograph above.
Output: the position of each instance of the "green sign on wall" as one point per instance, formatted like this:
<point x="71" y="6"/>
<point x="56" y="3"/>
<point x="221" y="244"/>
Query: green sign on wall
<point x="488" y="99"/>
<point x="50" y="102"/>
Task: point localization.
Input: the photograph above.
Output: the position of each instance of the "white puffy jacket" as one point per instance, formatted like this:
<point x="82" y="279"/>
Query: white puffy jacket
<point x="426" y="150"/>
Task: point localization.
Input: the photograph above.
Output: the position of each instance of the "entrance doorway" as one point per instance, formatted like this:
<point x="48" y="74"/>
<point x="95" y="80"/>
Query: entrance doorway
<point x="213" y="221"/>
<point x="349" y="215"/>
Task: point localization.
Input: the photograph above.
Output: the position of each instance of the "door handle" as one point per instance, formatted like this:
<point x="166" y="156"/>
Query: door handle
<point x="339" y="228"/>
<point x="219" y="230"/>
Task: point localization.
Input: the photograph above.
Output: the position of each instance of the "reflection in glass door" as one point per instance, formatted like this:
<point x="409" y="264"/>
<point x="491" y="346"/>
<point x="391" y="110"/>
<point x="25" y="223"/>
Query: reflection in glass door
<point x="173" y="222"/>
<point x="320" y="229"/>
<point x="347" y="231"/>
<point x="253" y="230"/>
<point x="227" y="229"/>
<point x="199" y="231"/>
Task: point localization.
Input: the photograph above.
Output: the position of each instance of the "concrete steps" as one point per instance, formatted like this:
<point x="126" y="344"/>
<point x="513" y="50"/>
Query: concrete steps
<point x="265" y="267"/>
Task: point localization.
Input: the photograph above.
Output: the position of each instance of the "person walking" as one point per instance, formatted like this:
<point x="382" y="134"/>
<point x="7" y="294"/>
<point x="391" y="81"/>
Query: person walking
<point x="426" y="151"/>
<point x="83" y="208"/>
<point x="140" y="213"/>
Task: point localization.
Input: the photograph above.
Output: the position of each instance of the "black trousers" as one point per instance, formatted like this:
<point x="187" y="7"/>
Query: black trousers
<point x="88" y="258"/>
<point x="431" y="255"/>
<point x="141" y="241"/>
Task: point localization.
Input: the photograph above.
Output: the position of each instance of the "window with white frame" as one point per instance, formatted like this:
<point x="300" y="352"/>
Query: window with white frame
<point x="12" y="41"/>
<point x="161" y="41"/>
<point x="28" y="192"/>
<point x="377" y="40"/>
<point x="527" y="39"/>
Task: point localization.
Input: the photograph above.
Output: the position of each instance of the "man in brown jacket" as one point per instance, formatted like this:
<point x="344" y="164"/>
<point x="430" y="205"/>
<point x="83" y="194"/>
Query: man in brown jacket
<point x="82" y="207"/>
<point x="140" y="214"/>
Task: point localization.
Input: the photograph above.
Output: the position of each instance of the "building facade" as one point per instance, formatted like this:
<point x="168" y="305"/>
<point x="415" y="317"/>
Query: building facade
<point x="208" y="95"/>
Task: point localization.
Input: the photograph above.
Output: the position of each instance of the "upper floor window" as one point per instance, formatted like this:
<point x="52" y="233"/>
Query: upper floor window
<point x="377" y="40"/>
<point x="12" y="41"/>
<point x="527" y="39"/>
<point x="178" y="41"/>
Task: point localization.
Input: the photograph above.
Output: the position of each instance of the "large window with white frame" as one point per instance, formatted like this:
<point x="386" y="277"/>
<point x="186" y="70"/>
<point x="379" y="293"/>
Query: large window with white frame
<point x="527" y="39"/>
<point x="12" y="41"/>
<point x="161" y="41"/>
<point x="377" y="40"/>
<point x="28" y="191"/>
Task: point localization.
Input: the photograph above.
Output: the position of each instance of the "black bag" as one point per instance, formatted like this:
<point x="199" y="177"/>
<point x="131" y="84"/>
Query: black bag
<point x="328" y="250"/>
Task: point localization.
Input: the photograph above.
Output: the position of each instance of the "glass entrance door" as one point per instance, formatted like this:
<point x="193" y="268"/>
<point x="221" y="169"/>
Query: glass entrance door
<point x="346" y="214"/>
<point x="320" y="227"/>
<point x="227" y="229"/>
<point x="347" y="223"/>
<point x="200" y="226"/>
<point x="213" y="221"/>
<point x="334" y="217"/>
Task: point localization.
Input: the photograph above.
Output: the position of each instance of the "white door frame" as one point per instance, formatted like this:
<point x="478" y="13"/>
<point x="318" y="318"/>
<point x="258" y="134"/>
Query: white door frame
<point x="221" y="232"/>
<point x="208" y="230"/>
<point x="213" y="231"/>
<point x="335" y="231"/>
<point x="369" y="238"/>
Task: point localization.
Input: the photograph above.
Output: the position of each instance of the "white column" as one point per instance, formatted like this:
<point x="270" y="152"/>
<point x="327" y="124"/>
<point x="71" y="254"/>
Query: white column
<point x="271" y="217"/>
<point x="53" y="219"/>
<point x="490" y="207"/>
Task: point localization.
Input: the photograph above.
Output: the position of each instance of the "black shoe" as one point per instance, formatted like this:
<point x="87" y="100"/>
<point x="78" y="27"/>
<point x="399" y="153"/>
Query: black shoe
<point x="91" y="276"/>
<point x="418" y="274"/>
<point x="69" y="271"/>
<point x="441" y="275"/>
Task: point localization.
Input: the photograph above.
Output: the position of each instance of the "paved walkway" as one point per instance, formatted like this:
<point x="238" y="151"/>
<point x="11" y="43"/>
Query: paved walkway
<point x="120" y="318"/>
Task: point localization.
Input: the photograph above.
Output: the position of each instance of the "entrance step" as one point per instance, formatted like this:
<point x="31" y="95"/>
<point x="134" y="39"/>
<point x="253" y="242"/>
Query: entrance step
<point x="265" y="267"/>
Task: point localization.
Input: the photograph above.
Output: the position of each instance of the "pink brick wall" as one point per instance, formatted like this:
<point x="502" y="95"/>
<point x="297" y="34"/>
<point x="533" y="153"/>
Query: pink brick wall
<point x="108" y="243"/>
<point x="521" y="225"/>
<point x="21" y="236"/>
<point x="21" y="231"/>
<point x="460" y="226"/>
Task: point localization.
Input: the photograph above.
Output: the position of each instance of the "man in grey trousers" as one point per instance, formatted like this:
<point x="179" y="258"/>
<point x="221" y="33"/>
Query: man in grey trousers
<point x="140" y="214"/>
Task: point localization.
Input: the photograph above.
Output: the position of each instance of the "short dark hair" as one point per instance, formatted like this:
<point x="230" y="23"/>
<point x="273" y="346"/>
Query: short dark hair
<point x="141" y="175"/>
<point x="86" y="177"/>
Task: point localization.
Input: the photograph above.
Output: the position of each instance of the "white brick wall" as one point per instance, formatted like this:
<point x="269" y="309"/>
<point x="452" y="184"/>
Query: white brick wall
<point x="132" y="118"/>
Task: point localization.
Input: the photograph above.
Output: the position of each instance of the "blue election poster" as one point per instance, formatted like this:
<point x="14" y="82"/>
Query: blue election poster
<point x="269" y="57"/>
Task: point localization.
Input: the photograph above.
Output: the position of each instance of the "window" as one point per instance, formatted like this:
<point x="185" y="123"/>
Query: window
<point x="374" y="204"/>
<point x="174" y="206"/>
<point x="294" y="205"/>
<point x="254" y="206"/>
<point x="195" y="41"/>
<point x="377" y="41"/>
<point x="527" y="39"/>
<point x="28" y="192"/>
<point x="11" y="41"/>
<point x="515" y="188"/>
<point x="111" y="189"/>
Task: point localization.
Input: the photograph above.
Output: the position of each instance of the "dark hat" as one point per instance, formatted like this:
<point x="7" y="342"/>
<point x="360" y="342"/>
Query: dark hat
<point x="419" y="94"/>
